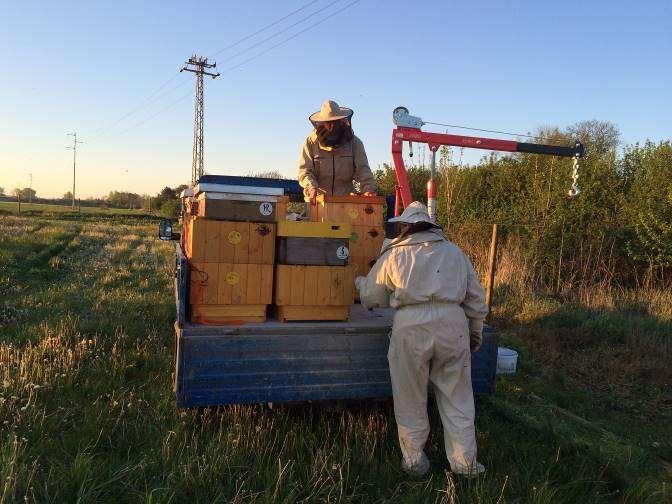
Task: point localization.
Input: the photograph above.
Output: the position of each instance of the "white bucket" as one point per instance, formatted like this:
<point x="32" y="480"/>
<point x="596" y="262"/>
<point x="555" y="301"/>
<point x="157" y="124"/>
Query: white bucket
<point x="506" y="360"/>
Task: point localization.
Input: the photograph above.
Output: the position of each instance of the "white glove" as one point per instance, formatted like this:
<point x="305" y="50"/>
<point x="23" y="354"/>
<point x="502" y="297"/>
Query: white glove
<point x="360" y="282"/>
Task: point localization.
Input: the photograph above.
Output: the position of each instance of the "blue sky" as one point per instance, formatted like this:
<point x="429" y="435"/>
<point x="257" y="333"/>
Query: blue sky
<point x="503" y="65"/>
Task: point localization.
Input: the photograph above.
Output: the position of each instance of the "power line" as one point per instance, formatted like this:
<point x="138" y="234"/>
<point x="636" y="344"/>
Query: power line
<point x="244" y="62"/>
<point x="152" y="97"/>
<point x="261" y="30"/>
<point x="284" y="41"/>
<point x="284" y="30"/>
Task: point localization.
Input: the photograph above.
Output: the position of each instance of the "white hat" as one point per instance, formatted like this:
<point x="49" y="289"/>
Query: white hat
<point x="331" y="111"/>
<point x="413" y="213"/>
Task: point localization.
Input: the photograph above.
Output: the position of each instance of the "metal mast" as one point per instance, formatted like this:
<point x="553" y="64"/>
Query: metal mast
<point x="197" y="65"/>
<point x="74" y="163"/>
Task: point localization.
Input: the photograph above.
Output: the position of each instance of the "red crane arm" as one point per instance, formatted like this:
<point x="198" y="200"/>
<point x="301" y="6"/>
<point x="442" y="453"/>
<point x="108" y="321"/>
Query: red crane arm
<point x="403" y="134"/>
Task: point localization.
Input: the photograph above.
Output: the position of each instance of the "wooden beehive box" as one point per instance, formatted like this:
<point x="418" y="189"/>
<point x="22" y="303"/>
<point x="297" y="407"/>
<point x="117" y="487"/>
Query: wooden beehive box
<point x="215" y="241"/>
<point x="313" y="243"/>
<point x="230" y="293"/>
<point x="355" y="210"/>
<point x="313" y="292"/>
<point x="238" y="207"/>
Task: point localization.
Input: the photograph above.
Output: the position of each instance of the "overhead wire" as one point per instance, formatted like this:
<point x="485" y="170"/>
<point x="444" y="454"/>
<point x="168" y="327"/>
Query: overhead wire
<point x="255" y="56"/>
<point x="157" y="93"/>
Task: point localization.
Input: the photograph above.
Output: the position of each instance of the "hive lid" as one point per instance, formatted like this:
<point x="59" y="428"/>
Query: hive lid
<point x="237" y="189"/>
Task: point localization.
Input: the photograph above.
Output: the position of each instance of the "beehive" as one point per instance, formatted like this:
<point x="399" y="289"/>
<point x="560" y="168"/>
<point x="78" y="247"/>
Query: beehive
<point x="313" y="243"/>
<point x="355" y="210"/>
<point x="225" y="293"/>
<point x="366" y="215"/>
<point x="238" y="207"/>
<point x="313" y="292"/>
<point x="215" y="241"/>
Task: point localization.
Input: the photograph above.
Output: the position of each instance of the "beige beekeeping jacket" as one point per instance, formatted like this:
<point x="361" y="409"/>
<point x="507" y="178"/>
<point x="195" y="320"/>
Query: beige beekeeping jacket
<point x="334" y="168"/>
<point x="422" y="268"/>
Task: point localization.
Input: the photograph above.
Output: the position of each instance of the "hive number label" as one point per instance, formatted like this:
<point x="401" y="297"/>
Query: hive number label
<point x="342" y="252"/>
<point x="266" y="208"/>
<point x="232" y="278"/>
<point x="234" y="237"/>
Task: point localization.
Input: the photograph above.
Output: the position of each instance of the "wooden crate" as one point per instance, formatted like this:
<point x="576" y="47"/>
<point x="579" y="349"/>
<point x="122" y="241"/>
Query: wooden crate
<point x="239" y="207"/>
<point x="313" y="292"/>
<point x="230" y="293"/>
<point x="306" y="229"/>
<point x="355" y="210"/>
<point x="215" y="241"/>
<point x="366" y="241"/>
<point x="312" y="251"/>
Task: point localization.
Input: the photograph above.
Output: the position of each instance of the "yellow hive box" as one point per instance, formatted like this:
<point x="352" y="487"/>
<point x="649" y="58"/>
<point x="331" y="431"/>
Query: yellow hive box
<point x="313" y="292"/>
<point x="224" y="293"/>
<point x="355" y="210"/>
<point x="305" y="229"/>
<point x="218" y="241"/>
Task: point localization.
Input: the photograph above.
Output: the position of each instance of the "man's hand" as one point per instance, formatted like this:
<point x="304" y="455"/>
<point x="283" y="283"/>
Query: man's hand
<point x="312" y="193"/>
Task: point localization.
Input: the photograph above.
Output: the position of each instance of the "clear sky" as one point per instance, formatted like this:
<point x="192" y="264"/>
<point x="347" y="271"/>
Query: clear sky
<point x="503" y="65"/>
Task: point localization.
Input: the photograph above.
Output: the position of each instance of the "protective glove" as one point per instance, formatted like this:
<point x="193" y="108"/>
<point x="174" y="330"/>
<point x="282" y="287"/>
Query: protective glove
<point x="360" y="282"/>
<point x="475" y="334"/>
<point x="475" y="340"/>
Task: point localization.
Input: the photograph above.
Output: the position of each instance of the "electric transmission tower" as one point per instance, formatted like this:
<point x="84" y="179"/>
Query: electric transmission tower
<point x="74" y="163"/>
<point x="198" y="65"/>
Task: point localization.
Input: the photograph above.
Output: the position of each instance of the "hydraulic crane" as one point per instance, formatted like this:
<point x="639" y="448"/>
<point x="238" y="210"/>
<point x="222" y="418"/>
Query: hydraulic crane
<point x="408" y="129"/>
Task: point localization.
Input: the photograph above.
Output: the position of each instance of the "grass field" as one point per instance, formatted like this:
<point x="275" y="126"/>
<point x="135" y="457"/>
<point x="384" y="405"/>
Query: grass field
<point x="43" y="208"/>
<point x="87" y="412"/>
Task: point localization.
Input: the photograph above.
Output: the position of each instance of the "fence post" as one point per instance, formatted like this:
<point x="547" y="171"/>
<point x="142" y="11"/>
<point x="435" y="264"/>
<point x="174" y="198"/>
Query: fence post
<point x="492" y="266"/>
<point x="18" y="200"/>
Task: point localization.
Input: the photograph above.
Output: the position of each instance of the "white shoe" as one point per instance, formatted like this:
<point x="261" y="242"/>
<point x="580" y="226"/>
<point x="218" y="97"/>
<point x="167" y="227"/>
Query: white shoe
<point x="472" y="471"/>
<point x="419" y="468"/>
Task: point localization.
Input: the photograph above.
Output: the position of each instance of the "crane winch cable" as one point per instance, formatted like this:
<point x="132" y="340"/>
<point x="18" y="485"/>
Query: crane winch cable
<point x="553" y="140"/>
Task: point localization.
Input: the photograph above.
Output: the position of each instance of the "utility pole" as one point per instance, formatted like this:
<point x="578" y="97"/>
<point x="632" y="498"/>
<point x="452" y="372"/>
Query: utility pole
<point x="30" y="187"/>
<point x="74" y="163"/>
<point x="197" y="65"/>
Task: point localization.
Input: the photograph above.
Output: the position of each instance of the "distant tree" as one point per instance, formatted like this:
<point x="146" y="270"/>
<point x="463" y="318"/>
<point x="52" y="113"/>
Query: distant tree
<point x="26" y="193"/>
<point x="2" y="191"/>
<point x="67" y="195"/>
<point x="273" y="174"/>
<point x="167" y="193"/>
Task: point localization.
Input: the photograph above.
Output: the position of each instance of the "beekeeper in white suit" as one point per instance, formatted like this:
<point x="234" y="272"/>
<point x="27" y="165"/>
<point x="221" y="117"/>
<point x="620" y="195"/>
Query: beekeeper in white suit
<point x="439" y="319"/>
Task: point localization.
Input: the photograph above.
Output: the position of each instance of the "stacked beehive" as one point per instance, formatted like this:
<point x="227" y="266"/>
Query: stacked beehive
<point x="230" y="243"/>
<point x="313" y="280"/>
<point x="366" y="216"/>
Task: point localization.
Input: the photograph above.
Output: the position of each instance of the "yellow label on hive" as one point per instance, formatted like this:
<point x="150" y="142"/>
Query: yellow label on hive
<point x="232" y="278"/>
<point x="234" y="237"/>
<point x="353" y="213"/>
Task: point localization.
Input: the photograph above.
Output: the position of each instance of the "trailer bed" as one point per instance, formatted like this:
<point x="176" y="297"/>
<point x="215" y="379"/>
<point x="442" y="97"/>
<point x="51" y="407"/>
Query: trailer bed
<point x="274" y="362"/>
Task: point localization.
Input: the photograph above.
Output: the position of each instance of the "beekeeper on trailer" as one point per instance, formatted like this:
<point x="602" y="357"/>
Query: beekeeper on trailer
<point x="439" y="319"/>
<point x="332" y="157"/>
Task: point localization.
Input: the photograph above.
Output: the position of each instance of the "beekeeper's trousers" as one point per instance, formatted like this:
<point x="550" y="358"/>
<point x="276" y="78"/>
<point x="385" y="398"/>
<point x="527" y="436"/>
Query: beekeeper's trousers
<point x="430" y="343"/>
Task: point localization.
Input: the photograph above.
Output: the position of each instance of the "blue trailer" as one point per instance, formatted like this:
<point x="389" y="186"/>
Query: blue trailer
<point x="274" y="362"/>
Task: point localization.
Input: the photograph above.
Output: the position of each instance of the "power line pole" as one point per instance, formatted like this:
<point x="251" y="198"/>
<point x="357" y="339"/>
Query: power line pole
<point x="197" y="65"/>
<point x="30" y="186"/>
<point x="74" y="163"/>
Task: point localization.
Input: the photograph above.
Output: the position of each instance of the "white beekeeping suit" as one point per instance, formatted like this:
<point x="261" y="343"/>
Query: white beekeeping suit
<point x="440" y="312"/>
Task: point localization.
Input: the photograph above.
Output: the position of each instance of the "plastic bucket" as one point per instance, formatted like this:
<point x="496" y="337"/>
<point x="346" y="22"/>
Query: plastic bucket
<point x="506" y="360"/>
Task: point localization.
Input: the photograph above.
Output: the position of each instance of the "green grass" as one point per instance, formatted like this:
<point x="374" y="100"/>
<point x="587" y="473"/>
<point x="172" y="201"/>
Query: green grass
<point x="87" y="412"/>
<point x="36" y="208"/>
